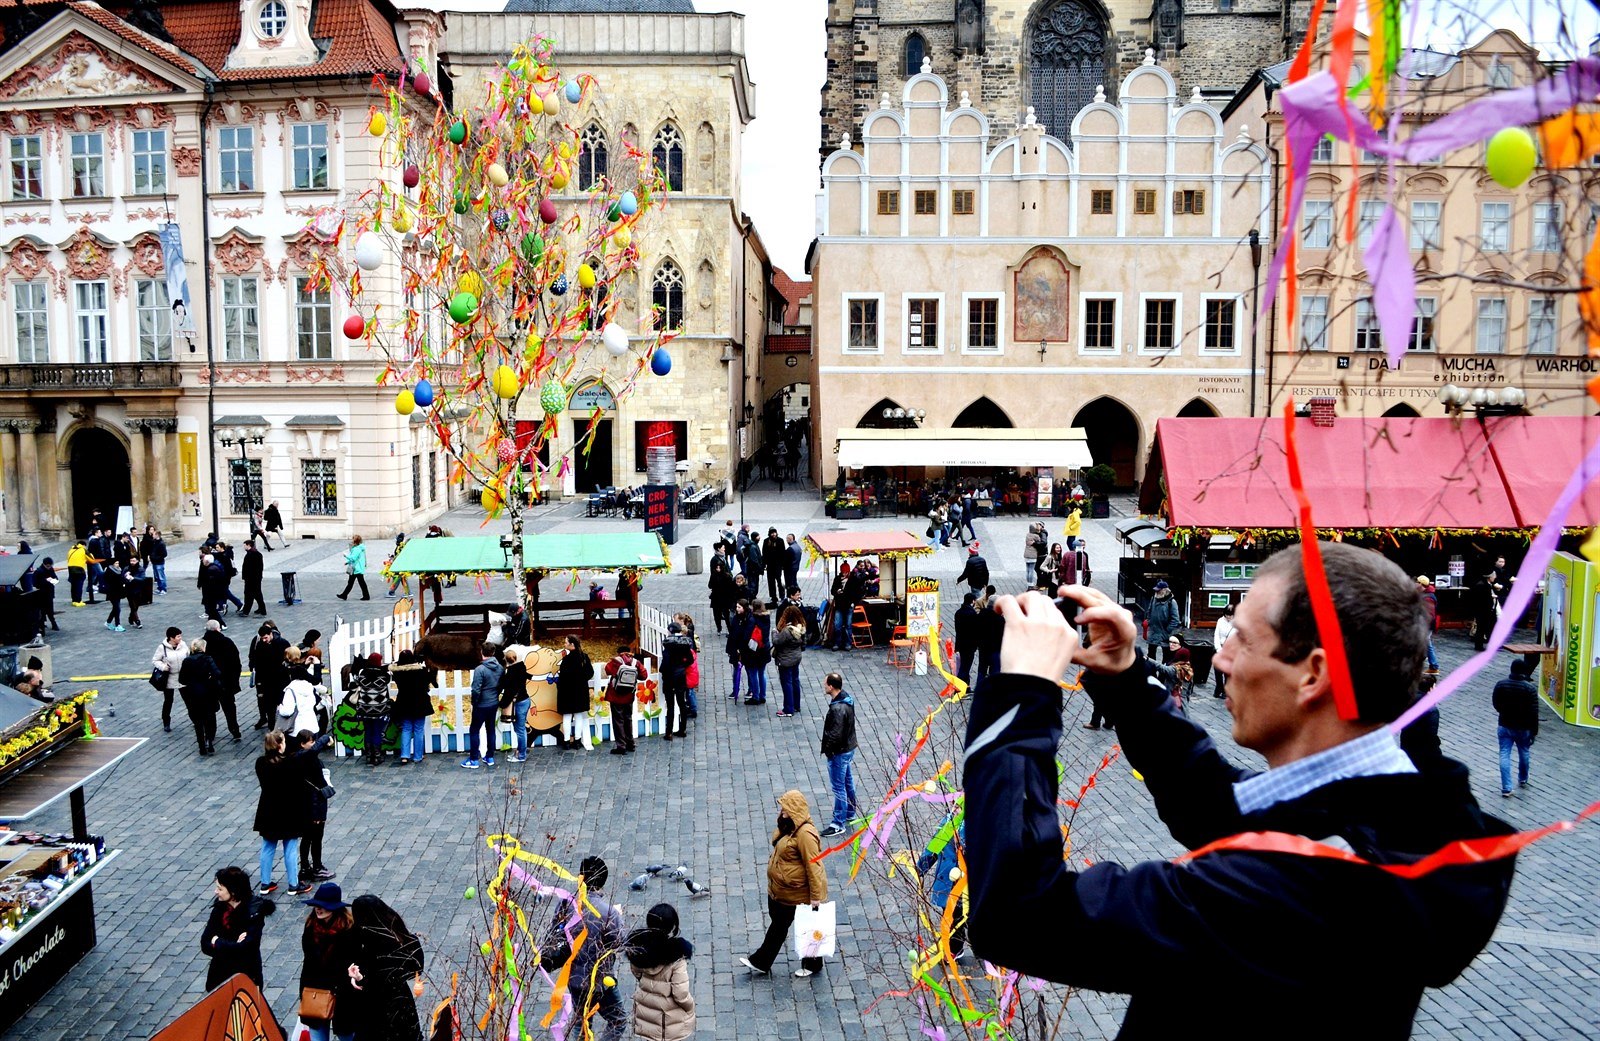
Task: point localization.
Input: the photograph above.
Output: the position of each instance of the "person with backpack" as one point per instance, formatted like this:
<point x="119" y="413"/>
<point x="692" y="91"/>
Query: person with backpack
<point x="485" y="705"/>
<point x="754" y="564"/>
<point x="1163" y="618"/>
<point x="1430" y="610"/>
<point x="594" y="961"/>
<point x="198" y="682"/>
<point x="626" y="673"/>
<point x="514" y="701"/>
<point x="573" y="677"/>
<point x="77" y="572"/>
<point x="976" y="573"/>
<point x="754" y="654"/>
<point x="374" y="704"/>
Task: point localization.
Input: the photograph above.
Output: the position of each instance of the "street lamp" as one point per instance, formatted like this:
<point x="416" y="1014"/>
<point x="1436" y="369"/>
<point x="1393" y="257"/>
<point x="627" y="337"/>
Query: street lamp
<point x="1255" y="311"/>
<point x="243" y="436"/>
<point x="1485" y="401"/>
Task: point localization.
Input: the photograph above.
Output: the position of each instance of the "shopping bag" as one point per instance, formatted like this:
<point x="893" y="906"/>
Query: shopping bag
<point x="814" y="931"/>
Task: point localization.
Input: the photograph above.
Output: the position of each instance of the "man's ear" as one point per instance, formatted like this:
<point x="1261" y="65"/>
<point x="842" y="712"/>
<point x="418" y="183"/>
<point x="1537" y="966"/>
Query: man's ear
<point x="1315" y="682"/>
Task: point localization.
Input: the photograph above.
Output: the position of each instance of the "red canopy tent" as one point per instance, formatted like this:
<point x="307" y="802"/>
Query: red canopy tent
<point x="1537" y="456"/>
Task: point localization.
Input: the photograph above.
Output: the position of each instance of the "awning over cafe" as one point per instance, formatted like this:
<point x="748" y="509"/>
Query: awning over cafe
<point x="867" y="543"/>
<point x="474" y="554"/>
<point x="1063" y="447"/>
<point x="1537" y="456"/>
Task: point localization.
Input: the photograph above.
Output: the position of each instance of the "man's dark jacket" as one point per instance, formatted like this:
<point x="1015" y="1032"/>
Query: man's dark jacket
<point x="839" y="725"/>
<point x="1285" y="943"/>
<point x="1517" y="701"/>
<point x="966" y="623"/>
<point x="253" y="566"/>
<point x="225" y="653"/>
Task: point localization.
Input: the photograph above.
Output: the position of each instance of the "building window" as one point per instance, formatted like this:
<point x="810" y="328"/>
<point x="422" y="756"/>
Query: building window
<point x="1425" y="225"/>
<point x="244" y="485"/>
<point x="667" y="153"/>
<point x="1222" y="318"/>
<point x="922" y="324"/>
<point x="32" y="308"/>
<point x="433" y="476"/>
<point x="236" y="158"/>
<point x="313" y="321"/>
<point x="416" y="482"/>
<point x="89" y="307"/>
<point x="666" y="295"/>
<point x="1422" y="317"/>
<point x="888" y="203"/>
<point x="659" y="433"/>
<point x="241" y="327"/>
<point x="310" y="155"/>
<point x="1313" y="323"/>
<point x="1500" y="76"/>
<point x="149" y="162"/>
<point x="1366" y="220"/>
<point x="1161" y="324"/>
<point x="1066" y="61"/>
<point x="88" y="165"/>
<point x="273" y="19"/>
<point x="1547" y="227"/>
<point x="1494" y="227"/>
<point x="1368" y="336"/>
<point x="1144" y="200"/>
<point x="1491" y="331"/>
<point x="593" y="157"/>
<point x="1322" y="151"/>
<point x="862" y="318"/>
<point x="963" y="202"/>
<point x="916" y="49"/>
<point x="925" y="203"/>
<point x="319" y="488"/>
<point x="1189" y="200"/>
<point x="1101" y="200"/>
<point x="983" y="324"/>
<point x="155" y="319"/>
<point x="27" y="167"/>
<point x="1100" y="325"/>
<point x="1316" y="223"/>
<point x="1542" y="325"/>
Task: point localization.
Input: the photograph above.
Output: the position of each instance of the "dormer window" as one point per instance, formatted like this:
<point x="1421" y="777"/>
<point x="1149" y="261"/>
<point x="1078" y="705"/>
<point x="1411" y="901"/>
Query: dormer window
<point x="272" y="20"/>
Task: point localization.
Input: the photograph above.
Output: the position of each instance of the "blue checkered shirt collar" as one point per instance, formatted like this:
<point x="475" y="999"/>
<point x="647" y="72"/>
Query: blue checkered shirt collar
<point x="1375" y="754"/>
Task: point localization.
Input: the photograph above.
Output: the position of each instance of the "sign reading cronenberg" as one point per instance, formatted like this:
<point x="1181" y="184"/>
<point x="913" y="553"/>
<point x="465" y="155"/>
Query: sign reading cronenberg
<point x="661" y="511"/>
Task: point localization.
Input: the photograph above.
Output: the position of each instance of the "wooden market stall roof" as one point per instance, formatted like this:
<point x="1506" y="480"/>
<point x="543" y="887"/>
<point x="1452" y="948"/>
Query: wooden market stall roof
<point x="867" y="543"/>
<point x="472" y="554"/>
<point x="1359" y="473"/>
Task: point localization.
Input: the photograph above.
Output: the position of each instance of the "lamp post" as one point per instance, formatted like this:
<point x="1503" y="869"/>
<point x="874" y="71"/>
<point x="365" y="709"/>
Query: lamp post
<point x="243" y="437"/>
<point x="1484" y="401"/>
<point x="1255" y="313"/>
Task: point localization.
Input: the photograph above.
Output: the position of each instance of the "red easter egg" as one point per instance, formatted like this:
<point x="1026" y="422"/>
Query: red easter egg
<point x="547" y="211"/>
<point x="354" y="327"/>
<point x="422" y="84"/>
<point x="411" y="176"/>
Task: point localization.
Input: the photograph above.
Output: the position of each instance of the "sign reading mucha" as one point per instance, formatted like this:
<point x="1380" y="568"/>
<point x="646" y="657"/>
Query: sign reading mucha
<point x="1040" y="300"/>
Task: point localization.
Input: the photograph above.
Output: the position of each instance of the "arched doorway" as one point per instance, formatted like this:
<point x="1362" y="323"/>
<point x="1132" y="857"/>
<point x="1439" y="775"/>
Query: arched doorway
<point x="1401" y="411"/>
<point x="1198" y="408"/>
<point x="101" y="477"/>
<point x="592" y="459"/>
<point x="874" y="419"/>
<point x="981" y="414"/>
<point x="1113" y="435"/>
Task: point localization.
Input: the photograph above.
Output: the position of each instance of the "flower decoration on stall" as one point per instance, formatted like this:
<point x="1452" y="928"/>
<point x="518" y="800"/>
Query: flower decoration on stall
<point x="60" y="718"/>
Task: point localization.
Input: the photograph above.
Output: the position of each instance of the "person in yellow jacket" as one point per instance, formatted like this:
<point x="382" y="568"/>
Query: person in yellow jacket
<point x="794" y="877"/>
<point x="77" y="570"/>
<point x="1073" y="529"/>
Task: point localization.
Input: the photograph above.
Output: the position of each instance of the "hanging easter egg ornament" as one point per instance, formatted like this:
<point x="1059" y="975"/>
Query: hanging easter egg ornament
<point x="507" y="452"/>
<point x="458" y="132"/>
<point x="411" y="176"/>
<point x="661" y="362"/>
<point x="574" y="92"/>
<point x="547" y="211"/>
<point x="355" y="327"/>
<point x="552" y="397"/>
<point x="423" y="393"/>
<point x="622" y="237"/>
<point x="405" y="403"/>
<point x="628" y="204"/>
<point x="500" y="219"/>
<point x="422" y="84"/>
<point x="615" y="337"/>
<point x="463" y="306"/>
<point x="535" y="106"/>
<point x="461" y="203"/>
<point x="471" y="282"/>
<point x="1512" y="156"/>
<point x="585" y="276"/>
<point x="506" y="383"/>
<point x="490" y="501"/>
<point x="369" y="251"/>
<point x="497" y="175"/>
<point x="401" y="220"/>
<point x="552" y="103"/>
<point x="532" y="247"/>
<point x="559" y="180"/>
<point x="377" y="124"/>
<point x="559" y="286"/>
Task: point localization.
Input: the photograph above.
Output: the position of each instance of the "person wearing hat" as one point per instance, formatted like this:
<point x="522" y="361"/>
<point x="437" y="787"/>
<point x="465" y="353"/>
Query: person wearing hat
<point x="1517" y="701"/>
<point x="606" y="937"/>
<point x="976" y="573"/>
<point x="1430" y="609"/>
<point x="794" y="877"/>
<point x="663" y="1006"/>
<point x="1163" y="618"/>
<point x="325" y="971"/>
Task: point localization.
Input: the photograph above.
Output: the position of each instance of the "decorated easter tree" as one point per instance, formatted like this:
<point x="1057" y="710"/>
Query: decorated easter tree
<point x="507" y="283"/>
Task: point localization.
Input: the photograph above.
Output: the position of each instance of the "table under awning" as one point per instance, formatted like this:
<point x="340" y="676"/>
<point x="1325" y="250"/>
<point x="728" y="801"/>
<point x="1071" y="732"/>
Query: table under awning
<point x="893" y="548"/>
<point x="1063" y="447"/>
<point x="478" y="554"/>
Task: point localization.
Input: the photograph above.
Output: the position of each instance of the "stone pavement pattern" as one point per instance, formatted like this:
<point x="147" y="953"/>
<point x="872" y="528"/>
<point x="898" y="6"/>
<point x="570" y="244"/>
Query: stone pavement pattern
<point x="412" y="835"/>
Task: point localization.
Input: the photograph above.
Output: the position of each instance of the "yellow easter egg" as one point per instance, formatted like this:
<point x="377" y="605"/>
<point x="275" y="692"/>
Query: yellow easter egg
<point x="585" y="276"/>
<point x="377" y="124"/>
<point x="506" y="383"/>
<point x="622" y="236"/>
<point x="497" y="175"/>
<point x="564" y="149"/>
<point x="558" y="180"/>
<point x="490" y="500"/>
<point x="535" y="105"/>
<point x="471" y="282"/>
<point x="401" y="220"/>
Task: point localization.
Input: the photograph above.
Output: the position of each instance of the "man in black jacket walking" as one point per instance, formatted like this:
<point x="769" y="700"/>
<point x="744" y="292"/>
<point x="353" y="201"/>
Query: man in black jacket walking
<point x="1289" y="924"/>
<point x="1517" y="701"/>
<point x="266" y="659"/>
<point x="225" y="653"/>
<point x="774" y="557"/>
<point x="976" y="573"/>
<point x="839" y="745"/>
<point x="251" y="573"/>
<point x="966" y="624"/>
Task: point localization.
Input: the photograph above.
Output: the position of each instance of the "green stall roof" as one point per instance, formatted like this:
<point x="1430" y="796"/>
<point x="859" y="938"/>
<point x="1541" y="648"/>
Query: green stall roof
<point x="609" y="551"/>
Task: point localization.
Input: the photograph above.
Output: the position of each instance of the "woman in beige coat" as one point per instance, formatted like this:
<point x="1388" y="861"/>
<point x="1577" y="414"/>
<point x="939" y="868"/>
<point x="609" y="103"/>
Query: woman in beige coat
<point x="794" y="877"/>
<point x="663" y="1008"/>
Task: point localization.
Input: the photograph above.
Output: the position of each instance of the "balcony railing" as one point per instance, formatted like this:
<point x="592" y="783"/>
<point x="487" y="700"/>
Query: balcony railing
<point x="155" y="375"/>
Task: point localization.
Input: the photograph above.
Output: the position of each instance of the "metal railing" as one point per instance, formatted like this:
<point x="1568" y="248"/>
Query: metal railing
<point x="155" y="375"/>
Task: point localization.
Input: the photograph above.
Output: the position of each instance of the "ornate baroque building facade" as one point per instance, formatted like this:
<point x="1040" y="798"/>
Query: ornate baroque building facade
<point x="1048" y="55"/>
<point x="163" y="164"/>
<point x="673" y="84"/>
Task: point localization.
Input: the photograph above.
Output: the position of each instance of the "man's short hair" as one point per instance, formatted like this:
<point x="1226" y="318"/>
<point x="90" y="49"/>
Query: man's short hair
<point x="834" y="680"/>
<point x="1380" y="616"/>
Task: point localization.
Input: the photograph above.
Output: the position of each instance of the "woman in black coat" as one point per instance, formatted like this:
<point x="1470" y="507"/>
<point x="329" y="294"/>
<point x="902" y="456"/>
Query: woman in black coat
<point x="329" y="948"/>
<point x="44" y="580"/>
<point x="199" y="682"/>
<point x="232" y="939"/>
<point x="414" y="680"/>
<point x="740" y="626"/>
<point x="755" y="652"/>
<point x="386" y="957"/>
<point x="572" y="694"/>
<point x="282" y="811"/>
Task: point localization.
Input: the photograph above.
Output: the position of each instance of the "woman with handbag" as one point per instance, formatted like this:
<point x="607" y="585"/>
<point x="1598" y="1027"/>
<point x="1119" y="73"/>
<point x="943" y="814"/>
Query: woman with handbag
<point x="573" y="677"/>
<point x="386" y="957"/>
<point x="413" y="703"/>
<point x="281" y="811"/>
<point x="794" y="877"/>
<point x="309" y="762"/>
<point x="232" y="938"/>
<point x="325" y="973"/>
<point x="756" y="652"/>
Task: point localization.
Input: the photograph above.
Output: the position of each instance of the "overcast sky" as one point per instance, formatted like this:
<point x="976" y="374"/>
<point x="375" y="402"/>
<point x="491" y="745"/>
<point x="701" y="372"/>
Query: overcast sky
<point x="785" y="43"/>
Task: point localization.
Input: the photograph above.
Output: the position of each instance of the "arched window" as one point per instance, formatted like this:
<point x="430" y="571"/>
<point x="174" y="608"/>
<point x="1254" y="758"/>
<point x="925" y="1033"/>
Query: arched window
<point x="591" y="157"/>
<point x="666" y="295"/>
<point x="1067" y="45"/>
<point x="916" y="49"/>
<point x="667" y="153"/>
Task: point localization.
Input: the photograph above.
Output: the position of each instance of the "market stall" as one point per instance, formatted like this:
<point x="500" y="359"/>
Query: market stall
<point x="46" y="897"/>
<point x="889" y="551"/>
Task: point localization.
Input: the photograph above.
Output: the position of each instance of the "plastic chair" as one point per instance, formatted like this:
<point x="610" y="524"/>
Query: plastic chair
<point x="901" y="646"/>
<point x="860" y="628"/>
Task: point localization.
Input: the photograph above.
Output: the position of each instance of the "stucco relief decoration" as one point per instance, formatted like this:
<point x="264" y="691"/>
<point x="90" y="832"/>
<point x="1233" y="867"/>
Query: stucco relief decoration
<point x="86" y="257"/>
<point x="1041" y="300"/>
<point x="148" y="213"/>
<point x="79" y="68"/>
<point x="26" y="262"/>
<point x="186" y="159"/>
<point x="308" y="110"/>
<point x="333" y="374"/>
<point x="147" y="255"/>
<point x="303" y="250"/>
<point x="238" y="375"/>
<point x="237" y="254"/>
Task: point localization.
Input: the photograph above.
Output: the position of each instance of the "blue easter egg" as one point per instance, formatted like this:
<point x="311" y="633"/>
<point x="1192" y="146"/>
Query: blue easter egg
<point x="661" y="362"/>
<point x="559" y="286"/>
<point x="423" y="394"/>
<point x="629" y="204"/>
<point x="574" y="92"/>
